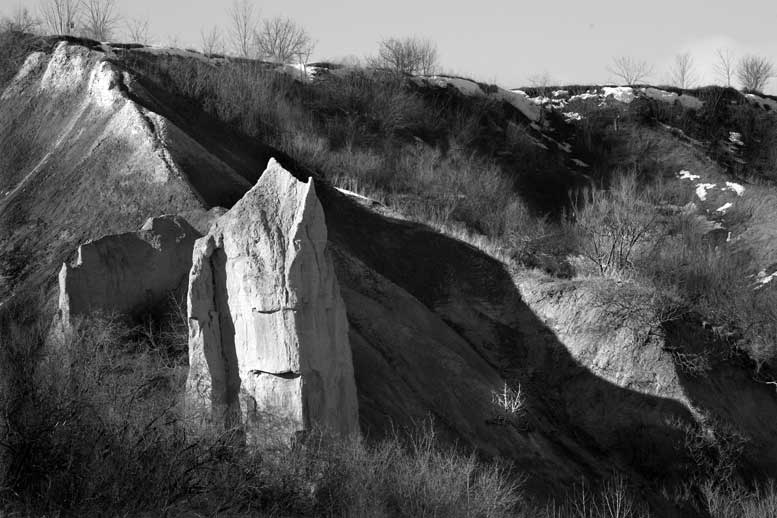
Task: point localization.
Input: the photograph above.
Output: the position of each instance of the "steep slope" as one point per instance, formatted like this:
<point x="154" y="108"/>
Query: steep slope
<point x="82" y="158"/>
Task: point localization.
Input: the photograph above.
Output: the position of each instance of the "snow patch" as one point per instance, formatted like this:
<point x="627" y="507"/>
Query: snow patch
<point x="686" y="175"/>
<point x="725" y="208"/>
<point x="735" y="138"/>
<point x="702" y="188"/>
<point x="584" y="96"/>
<point x="763" y="278"/>
<point x="737" y="188"/>
<point x="624" y="94"/>
<point x="572" y="116"/>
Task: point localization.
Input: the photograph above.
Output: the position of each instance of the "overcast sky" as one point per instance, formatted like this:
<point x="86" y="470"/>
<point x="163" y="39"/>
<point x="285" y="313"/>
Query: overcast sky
<point x="502" y="41"/>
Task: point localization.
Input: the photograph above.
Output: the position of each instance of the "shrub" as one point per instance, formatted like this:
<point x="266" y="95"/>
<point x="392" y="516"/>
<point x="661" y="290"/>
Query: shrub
<point x="612" y="226"/>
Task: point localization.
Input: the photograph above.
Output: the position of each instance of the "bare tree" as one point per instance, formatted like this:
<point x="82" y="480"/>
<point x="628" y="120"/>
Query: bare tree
<point x="724" y="66"/>
<point x="541" y="82"/>
<point x="754" y="72"/>
<point x="21" y="20"/>
<point x="282" y="40"/>
<point x="683" y="73"/>
<point x="407" y="55"/>
<point x="138" y="30"/>
<point x="60" y="16"/>
<point x="242" y="19"/>
<point x="629" y="70"/>
<point x="100" y="19"/>
<point x="212" y="41"/>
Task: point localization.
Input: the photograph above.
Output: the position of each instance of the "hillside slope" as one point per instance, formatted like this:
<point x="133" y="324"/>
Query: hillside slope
<point x="439" y="329"/>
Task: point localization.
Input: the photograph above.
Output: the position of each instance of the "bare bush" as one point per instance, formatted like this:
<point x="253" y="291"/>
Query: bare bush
<point x="100" y="19"/>
<point x="282" y="40"/>
<point x="754" y="72"/>
<point x="211" y="41"/>
<point x="611" y="225"/>
<point x="629" y="70"/>
<point x="242" y="19"/>
<point x="138" y="30"/>
<point x="683" y="73"/>
<point x="60" y="16"/>
<point x="407" y="56"/>
<point x="20" y="20"/>
<point x="725" y="66"/>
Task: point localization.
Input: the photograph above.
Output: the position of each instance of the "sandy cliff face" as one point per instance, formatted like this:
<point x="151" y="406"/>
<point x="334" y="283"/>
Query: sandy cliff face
<point x="83" y="157"/>
<point x="268" y="336"/>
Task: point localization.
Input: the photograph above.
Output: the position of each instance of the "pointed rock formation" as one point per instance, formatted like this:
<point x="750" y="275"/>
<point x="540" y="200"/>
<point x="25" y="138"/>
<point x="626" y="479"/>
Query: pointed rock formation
<point x="128" y="273"/>
<point x="268" y="334"/>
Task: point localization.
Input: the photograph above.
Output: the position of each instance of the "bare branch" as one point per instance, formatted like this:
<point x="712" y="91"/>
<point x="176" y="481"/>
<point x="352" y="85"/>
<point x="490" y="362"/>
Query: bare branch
<point x="138" y="30"/>
<point x="630" y="70"/>
<point x="60" y="16"/>
<point x="683" y="73"/>
<point x="754" y="72"/>
<point x="100" y="19"/>
<point x="724" y="67"/>
<point x="242" y="19"/>
<point x="21" y="20"/>
<point x="282" y="40"/>
<point x="212" y="41"/>
<point x="407" y="55"/>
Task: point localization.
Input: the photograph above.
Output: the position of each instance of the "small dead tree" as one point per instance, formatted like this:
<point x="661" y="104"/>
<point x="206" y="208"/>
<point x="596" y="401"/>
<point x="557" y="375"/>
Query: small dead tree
<point x="282" y="40"/>
<point x="754" y="72"/>
<point x="21" y="20"/>
<point x="724" y="66"/>
<point x="138" y="30"/>
<point x="407" y="56"/>
<point x="683" y="73"/>
<point x="60" y="16"/>
<point x="211" y="41"/>
<point x="100" y="19"/>
<point x="242" y="20"/>
<point x="629" y="70"/>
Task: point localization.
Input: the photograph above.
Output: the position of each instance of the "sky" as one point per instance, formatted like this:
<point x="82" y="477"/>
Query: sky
<point x="507" y="42"/>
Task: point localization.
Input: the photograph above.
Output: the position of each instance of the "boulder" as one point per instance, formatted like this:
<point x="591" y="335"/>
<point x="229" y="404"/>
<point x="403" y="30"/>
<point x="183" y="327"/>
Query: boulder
<point x="129" y="273"/>
<point x="268" y="333"/>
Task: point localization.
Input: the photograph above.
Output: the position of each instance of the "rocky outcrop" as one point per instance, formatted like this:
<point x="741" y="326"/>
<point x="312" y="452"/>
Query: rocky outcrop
<point x="268" y="334"/>
<point x="128" y="273"/>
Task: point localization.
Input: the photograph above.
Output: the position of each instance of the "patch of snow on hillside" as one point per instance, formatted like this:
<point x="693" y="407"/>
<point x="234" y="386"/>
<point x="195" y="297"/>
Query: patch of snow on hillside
<point x="624" y="94"/>
<point x="686" y="175"/>
<point x="572" y="116"/>
<point x="702" y="188"/>
<point x="737" y="188"/>
<point x="560" y="93"/>
<point x="763" y="279"/>
<point x="584" y="96"/>
<point x="723" y="209"/>
<point x="735" y="138"/>
<point x="354" y="194"/>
